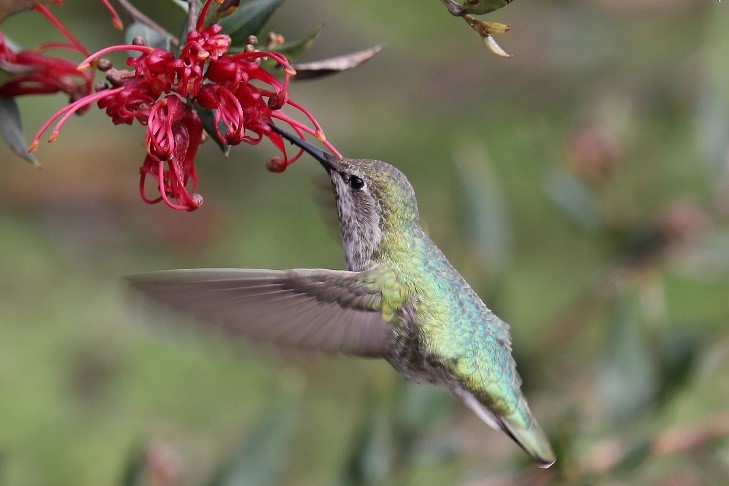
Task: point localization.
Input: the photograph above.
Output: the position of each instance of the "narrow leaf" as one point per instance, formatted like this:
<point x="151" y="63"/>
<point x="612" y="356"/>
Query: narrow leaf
<point x="182" y="4"/>
<point x="208" y="121"/>
<point x="479" y="7"/>
<point x="293" y="50"/>
<point x="248" y="20"/>
<point x="334" y="65"/>
<point x="12" y="129"/>
<point x="225" y="8"/>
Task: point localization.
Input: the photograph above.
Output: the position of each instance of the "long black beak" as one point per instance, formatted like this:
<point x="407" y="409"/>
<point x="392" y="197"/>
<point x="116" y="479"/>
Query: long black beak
<point x="323" y="157"/>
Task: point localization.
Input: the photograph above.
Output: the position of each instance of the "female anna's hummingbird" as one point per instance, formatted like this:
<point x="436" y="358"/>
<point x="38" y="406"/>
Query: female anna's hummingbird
<point x="400" y="299"/>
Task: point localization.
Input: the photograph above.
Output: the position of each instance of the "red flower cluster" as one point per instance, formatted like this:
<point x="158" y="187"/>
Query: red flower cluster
<point x="163" y="90"/>
<point x="33" y="72"/>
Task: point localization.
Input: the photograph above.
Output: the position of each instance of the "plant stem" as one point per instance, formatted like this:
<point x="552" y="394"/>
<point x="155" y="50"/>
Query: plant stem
<point x="140" y="17"/>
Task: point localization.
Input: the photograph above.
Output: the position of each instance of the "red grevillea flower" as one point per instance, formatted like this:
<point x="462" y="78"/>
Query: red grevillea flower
<point x="34" y="72"/>
<point x="162" y="91"/>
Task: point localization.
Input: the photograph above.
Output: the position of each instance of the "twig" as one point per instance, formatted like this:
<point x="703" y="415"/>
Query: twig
<point x="453" y="7"/>
<point x="140" y="17"/>
<point x="193" y="12"/>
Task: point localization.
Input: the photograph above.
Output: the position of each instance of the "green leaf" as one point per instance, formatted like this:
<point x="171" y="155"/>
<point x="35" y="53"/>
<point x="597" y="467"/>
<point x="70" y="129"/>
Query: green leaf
<point x="479" y="7"/>
<point x="208" y="121"/>
<point x="11" y="127"/>
<point x="151" y="37"/>
<point x="182" y="4"/>
<point x="334" y="65"/>
<point x="224" y="9"/>
<point x="248" y="20"/>
<point x="293" y="50"/>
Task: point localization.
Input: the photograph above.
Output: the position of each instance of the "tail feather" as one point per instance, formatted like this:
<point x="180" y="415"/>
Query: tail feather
<point x="530" y="438"/>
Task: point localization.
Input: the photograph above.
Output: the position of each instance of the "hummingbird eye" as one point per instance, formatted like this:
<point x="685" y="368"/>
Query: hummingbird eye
<point x="356" y="183"/>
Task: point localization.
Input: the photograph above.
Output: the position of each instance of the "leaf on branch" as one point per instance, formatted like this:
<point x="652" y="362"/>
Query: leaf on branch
<point x="11" y="127"/>
<point x="292" y="50"/>
<point x="334" y="65"/>
<point x="248" y="20"/>
<point x="480" y="7"/>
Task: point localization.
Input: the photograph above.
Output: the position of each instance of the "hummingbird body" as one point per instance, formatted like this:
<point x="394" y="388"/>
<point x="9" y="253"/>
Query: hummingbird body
<point x="400" y="300"/>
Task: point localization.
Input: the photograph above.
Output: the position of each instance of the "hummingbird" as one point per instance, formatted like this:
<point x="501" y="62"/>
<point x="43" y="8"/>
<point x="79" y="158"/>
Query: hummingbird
<point x="399" y="299"/>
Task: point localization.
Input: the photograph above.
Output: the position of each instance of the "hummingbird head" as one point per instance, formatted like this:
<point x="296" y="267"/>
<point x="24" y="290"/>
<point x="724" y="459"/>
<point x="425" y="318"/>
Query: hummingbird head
<point x="374" y="199"/>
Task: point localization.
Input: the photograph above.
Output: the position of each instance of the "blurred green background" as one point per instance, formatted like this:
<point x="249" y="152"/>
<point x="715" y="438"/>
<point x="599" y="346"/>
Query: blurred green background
<point x="582" y="187"/>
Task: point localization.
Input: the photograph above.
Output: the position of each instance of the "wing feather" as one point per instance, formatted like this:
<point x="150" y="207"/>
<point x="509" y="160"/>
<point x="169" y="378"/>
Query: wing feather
<point x="328" y="310"/>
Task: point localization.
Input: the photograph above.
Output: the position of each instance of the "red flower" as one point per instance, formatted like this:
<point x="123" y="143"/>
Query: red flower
<point x="163" y="90"/>
<point x="173" y="137"/>
<point x="37" y="73"/>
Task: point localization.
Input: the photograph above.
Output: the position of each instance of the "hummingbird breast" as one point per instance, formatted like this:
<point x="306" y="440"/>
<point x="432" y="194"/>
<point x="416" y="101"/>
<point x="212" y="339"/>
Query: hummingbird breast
<point x="445" y="334"/>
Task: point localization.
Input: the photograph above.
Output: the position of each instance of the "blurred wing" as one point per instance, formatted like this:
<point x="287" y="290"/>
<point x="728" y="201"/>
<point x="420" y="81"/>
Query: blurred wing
<point x="328" y="310"/>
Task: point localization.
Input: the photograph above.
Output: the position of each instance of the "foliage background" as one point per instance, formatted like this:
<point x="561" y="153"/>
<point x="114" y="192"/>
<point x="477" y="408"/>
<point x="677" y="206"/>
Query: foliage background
<point x="486" y="144"/>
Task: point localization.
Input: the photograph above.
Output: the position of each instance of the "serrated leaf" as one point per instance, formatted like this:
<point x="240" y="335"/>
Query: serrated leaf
<point x="334" y="65"/>
<point x="248" y="20"/>
<point x="479" y="7"/>
<point x="11" y="127"/>
<point x="208" y="121"/>
<point x="292" y="50"/>
<point x="151" y="37"/>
